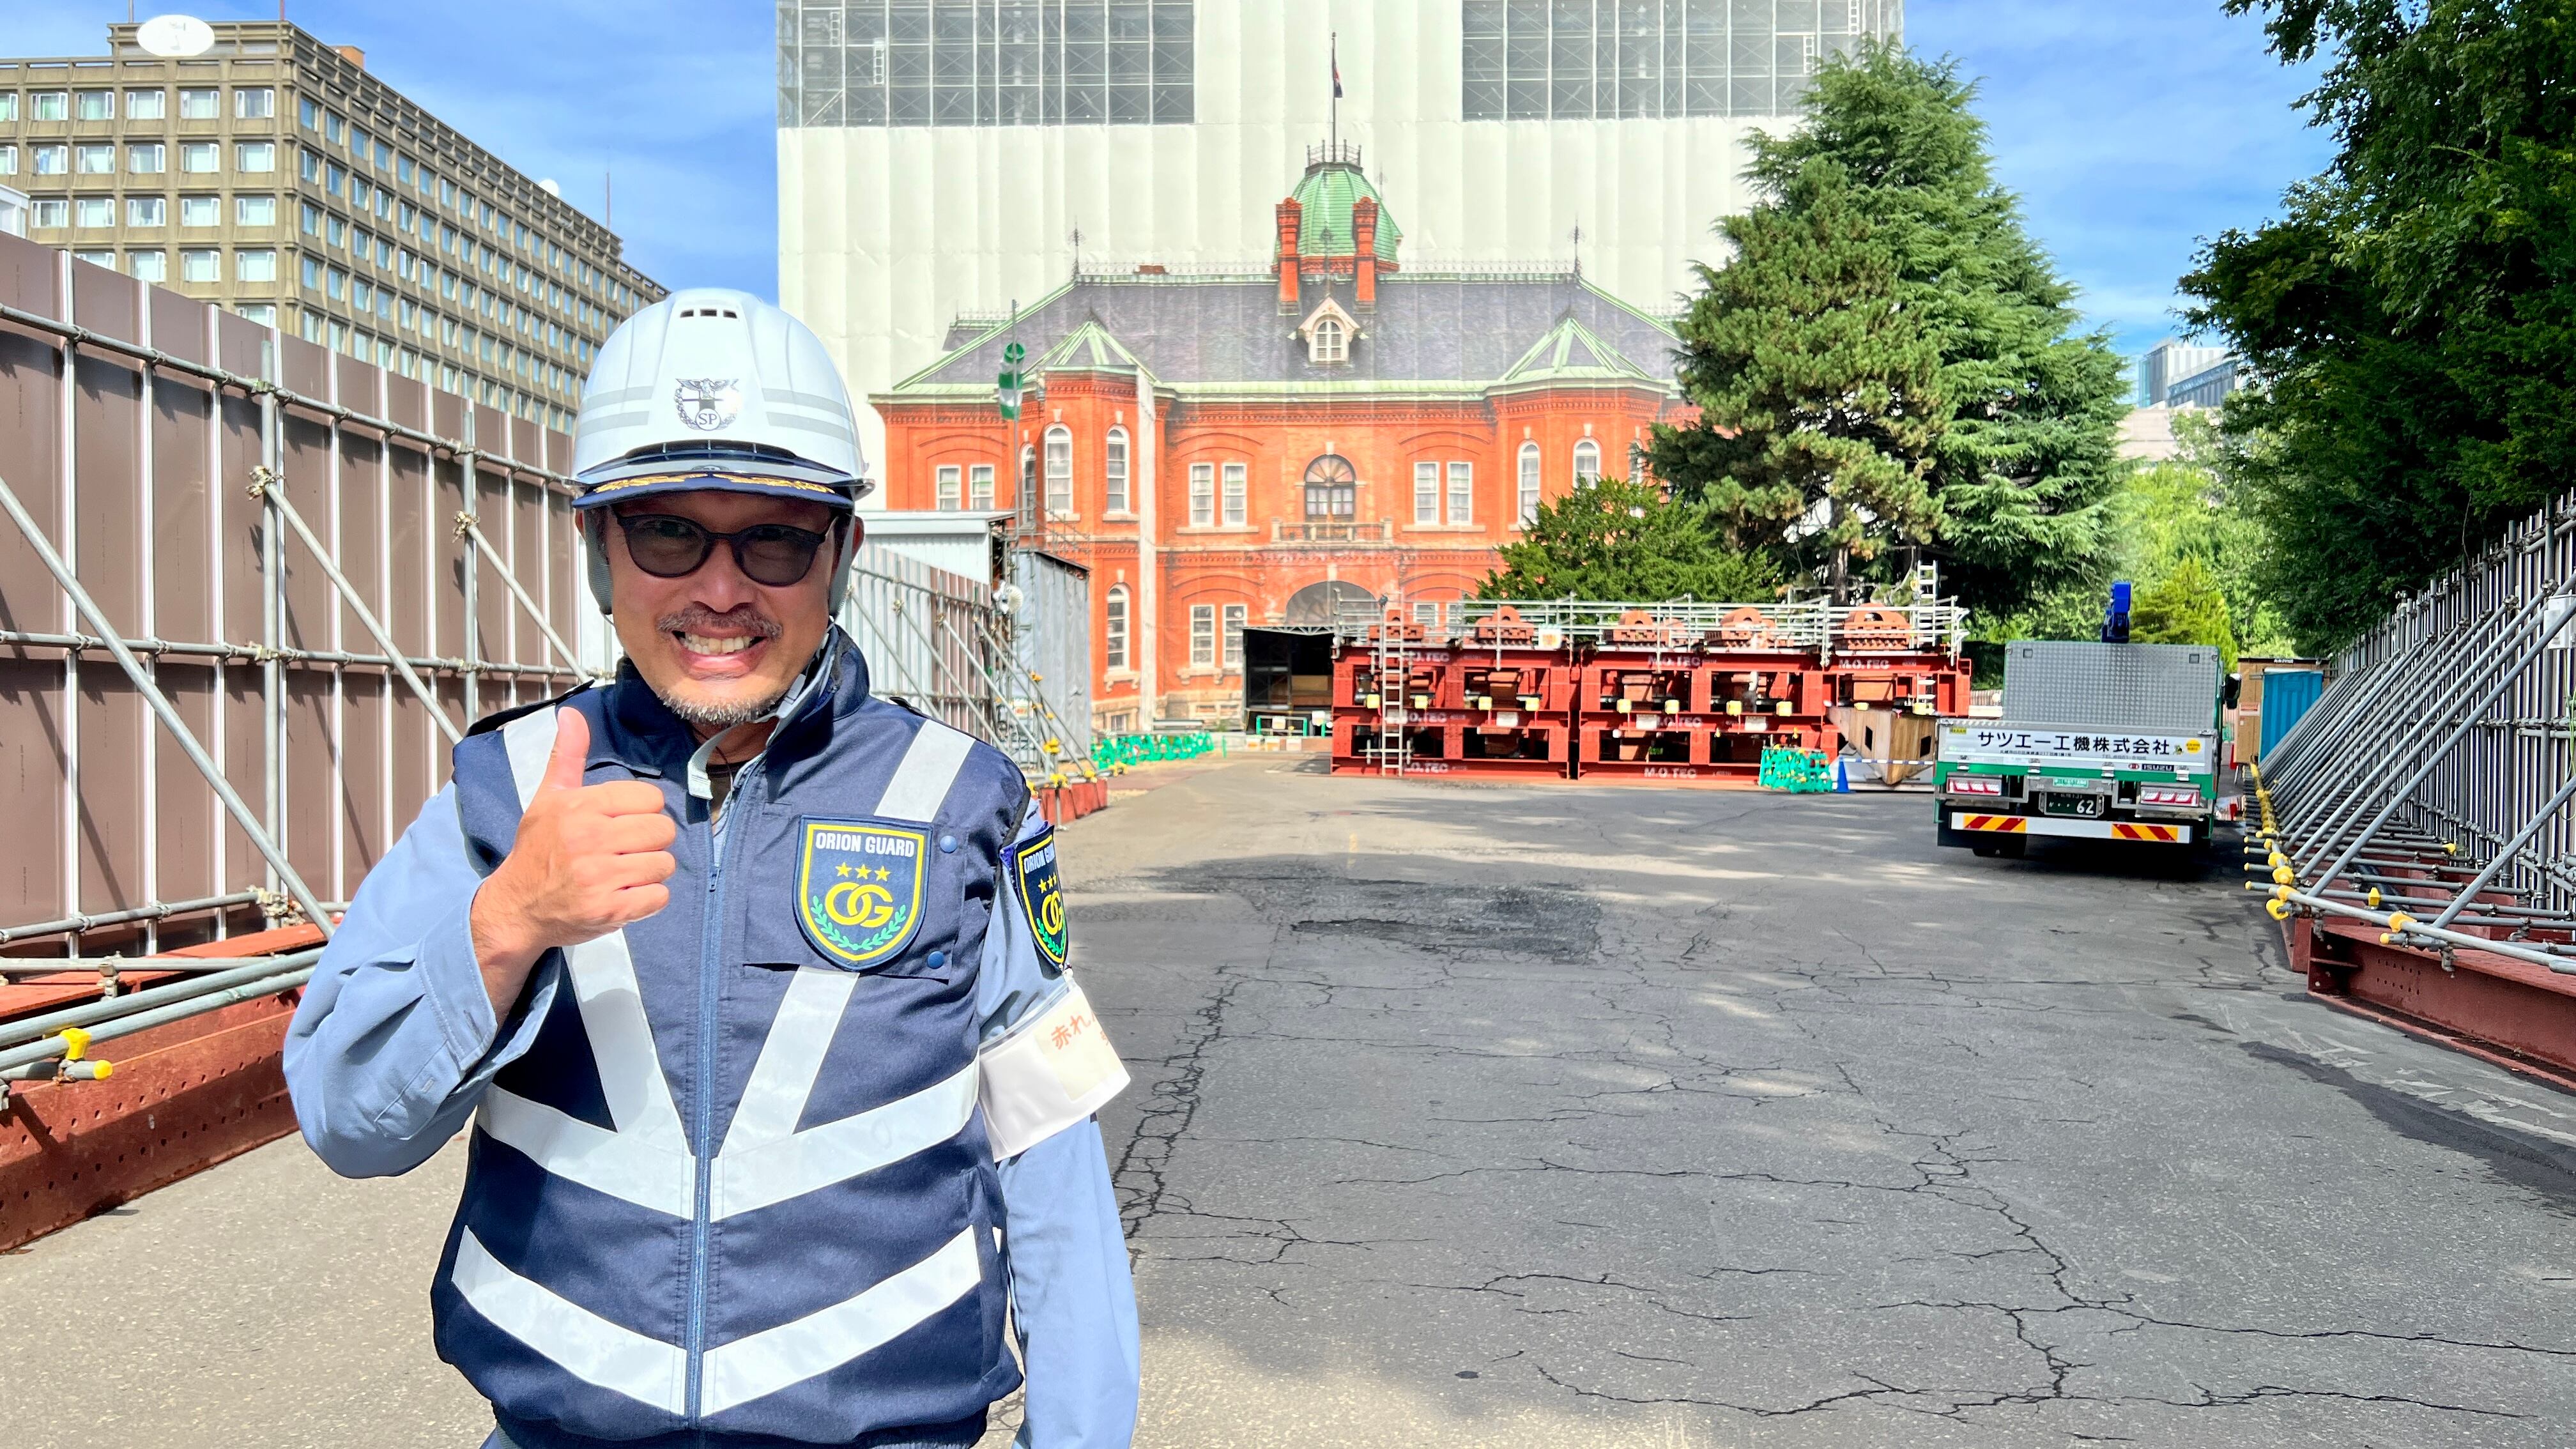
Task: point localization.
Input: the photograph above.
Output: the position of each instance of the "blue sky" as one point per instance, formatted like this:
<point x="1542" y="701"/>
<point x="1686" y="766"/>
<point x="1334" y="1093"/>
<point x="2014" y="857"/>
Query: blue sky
<point x="2132" y="129"/>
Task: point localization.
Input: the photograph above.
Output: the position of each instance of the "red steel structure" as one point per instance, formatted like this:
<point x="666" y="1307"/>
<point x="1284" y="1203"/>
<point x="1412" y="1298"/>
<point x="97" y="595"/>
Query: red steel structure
<point x="1652" y="694"/>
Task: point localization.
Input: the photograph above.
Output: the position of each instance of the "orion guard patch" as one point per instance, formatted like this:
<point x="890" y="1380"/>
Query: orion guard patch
<point x="858" y="889"/>
<point x="1041" y="894"/>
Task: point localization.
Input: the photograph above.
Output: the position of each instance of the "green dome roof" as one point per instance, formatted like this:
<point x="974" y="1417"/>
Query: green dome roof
<point x="1326" y="193"/>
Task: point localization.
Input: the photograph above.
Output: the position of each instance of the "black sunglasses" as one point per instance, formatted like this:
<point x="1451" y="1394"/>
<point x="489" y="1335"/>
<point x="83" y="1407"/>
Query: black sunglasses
<point x="668" y="546"/>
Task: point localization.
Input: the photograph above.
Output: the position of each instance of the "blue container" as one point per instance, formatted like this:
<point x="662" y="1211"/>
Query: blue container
<point x="2287" y="696"/>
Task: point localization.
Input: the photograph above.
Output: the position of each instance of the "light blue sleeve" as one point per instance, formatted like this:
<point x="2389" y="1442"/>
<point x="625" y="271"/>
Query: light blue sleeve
<point x="1072" y="1297"/>
<point x="395" y="1038"/>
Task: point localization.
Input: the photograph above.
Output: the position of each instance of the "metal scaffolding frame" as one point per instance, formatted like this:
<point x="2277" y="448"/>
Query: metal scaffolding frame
<point x="2427" y="791"/>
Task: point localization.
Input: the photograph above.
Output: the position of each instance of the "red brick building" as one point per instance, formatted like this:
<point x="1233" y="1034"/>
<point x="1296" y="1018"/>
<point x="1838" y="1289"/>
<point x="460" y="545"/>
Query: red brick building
<point x="1250" y="448"/>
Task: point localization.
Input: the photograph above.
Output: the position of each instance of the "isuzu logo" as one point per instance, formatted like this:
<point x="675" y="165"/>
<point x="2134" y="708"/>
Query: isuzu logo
<point x="708" y="403"/>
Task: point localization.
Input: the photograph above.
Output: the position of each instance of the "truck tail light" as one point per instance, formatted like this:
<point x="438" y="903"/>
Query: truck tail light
<point x="2167" y="795"/>
<point x="1976" y="785"/>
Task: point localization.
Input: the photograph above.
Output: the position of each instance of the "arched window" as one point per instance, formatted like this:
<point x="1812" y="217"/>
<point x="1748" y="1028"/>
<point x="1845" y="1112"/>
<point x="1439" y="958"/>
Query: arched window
<point x="1332" y="489"/>
<point x="1331" y="344"/>
<point x="1028" y="485"/>
<point x="1059" y="470"/>
<point x="1529" y="484"/>
<point x="1587" y="463"/>
<point x="1115" y="477"/>
<point x="1114" y="646"/>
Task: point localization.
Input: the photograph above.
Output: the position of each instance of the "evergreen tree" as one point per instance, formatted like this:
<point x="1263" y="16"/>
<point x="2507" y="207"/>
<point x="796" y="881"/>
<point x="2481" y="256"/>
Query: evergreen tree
<point x="2184" y="607"/>
<point x="2411" y="321"/>
<point x="1616" y="539"/>
<point x="1885" y="297"/>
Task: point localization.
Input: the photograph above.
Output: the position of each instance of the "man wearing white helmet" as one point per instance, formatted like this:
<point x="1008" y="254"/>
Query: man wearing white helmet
<point x="751" y="984"/>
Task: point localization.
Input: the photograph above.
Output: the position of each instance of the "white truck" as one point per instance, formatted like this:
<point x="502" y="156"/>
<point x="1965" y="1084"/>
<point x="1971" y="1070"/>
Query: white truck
<point x="2097" y="742"/>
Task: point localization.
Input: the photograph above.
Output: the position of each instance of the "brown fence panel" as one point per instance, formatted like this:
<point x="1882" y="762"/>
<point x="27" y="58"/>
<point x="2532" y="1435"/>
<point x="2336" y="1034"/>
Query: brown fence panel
<point x="150" y="473"/>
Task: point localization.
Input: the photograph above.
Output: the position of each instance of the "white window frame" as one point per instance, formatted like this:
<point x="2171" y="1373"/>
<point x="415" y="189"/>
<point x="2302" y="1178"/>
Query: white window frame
<point x="201" y="264"/>
<point x="244" y="205"/>
<point x="50" y="159"/>
<point x="49" y="213"/>
<point x="81" y="100"/>
<point x="1114" y="629"/>
<point x="1234" y="485"/>
<point x="1116" y="456"/>
<point x="1331" y="343"/>
<point x="146" y="158"/>
<point x="201" y="211"/>
<point x="1233" y="618"/>
<point x="209" y="152"/>
<point x="1059" y="471"/>
<point x="254" y="158"/>
<point x="1587" y="462"/>
<point x="1462" y="493"/>
<point x="1202" y="636"/>
<point x="200" y="103"/>
<point x="254" y="103"/>
<point x="93" y="213"/>
<point x="1530" y="486"/>
<point x="1426" y="493"/>
<point x="151" y="264"/>
<point x="148" y="105"/>
<point x="1427" y="614"/>
<point x="49" y="105"/>
<point x="146" y="211"/>
<point x="948" y="487"/>
<point x="255" y="264"/>
<point x="979" y="486"/>
<point x="1202" y="495"/>
<point x="94" y="158"/>
<point x="8" y="160"/>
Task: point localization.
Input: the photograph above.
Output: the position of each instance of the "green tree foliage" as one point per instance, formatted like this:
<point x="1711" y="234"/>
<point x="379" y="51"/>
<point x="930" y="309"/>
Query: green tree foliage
<point x="1617" y="539"/>
<point x="2184" y="607"/>
<point x="1889" y="344"/>
<point x="2411" y="322"/>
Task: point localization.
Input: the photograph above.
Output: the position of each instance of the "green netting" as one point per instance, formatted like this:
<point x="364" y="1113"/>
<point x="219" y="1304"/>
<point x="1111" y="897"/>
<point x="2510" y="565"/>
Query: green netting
<point x="1119" y="751"/>
<point x="1800" y="772"/>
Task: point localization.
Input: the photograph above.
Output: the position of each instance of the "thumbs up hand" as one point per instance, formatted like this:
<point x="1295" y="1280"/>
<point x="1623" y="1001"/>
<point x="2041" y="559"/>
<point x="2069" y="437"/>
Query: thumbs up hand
<point x="588" y="859"/>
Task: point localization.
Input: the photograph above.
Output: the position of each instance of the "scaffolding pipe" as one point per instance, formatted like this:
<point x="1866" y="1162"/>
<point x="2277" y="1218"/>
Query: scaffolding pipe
<point x="153" y="911"/>
<point x="55" y="1046"/>
<point x="163" y="710"/>
<point x="52" y="1022"/>
<point x="466" y="526"/>
<point x="265" y="487"/>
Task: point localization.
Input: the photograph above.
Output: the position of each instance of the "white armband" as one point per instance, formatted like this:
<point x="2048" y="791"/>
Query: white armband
<point x="1048" y="1074"/>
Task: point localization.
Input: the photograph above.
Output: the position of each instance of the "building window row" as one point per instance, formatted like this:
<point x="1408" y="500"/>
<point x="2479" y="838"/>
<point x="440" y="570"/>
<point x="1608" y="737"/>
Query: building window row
<point x="1521" y="60"/>
<point x="196" y="103"/>
<point x="969" y="486"/>
<point x="142" y="158"/>
<point x="94" y="212"/>
<point x="196" y="264"/>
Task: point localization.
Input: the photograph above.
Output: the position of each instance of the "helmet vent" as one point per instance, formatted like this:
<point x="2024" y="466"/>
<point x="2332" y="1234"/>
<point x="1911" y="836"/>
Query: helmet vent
<point x="710" y="312"/>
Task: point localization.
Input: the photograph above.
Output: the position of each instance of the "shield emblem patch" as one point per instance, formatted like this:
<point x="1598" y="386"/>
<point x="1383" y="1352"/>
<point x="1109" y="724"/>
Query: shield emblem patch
<point x="858" y="889"/>
<point x="1041" y="894"/>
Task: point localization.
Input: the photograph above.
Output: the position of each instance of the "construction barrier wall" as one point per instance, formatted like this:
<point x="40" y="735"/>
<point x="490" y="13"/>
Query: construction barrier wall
<point x="134" y="424"/>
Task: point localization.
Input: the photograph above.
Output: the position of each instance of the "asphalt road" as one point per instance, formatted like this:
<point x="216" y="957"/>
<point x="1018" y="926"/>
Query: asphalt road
<point x="1523" y="1115"/>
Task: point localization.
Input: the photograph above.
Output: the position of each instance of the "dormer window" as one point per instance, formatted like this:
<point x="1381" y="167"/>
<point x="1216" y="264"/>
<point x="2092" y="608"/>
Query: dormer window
<point x="1329" y="332"/>
<point x="1329" y="344"/>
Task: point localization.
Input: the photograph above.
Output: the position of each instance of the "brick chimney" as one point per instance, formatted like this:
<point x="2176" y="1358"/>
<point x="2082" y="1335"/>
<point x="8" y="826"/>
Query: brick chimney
<point x="1291" y="216"/>
<point x="353" y="55"/>
<point x="1364" y="235"/>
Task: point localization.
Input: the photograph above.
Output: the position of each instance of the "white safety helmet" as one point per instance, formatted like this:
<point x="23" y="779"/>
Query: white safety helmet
<point x="715" y="389"/>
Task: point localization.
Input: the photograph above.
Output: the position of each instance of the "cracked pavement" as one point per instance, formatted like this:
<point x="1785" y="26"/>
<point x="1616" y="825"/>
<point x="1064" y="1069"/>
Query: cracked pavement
<point x="1511" y="1115"/>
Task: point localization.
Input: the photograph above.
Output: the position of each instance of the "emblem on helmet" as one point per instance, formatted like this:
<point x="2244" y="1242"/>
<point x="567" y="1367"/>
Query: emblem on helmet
<point x="708" y="403"/>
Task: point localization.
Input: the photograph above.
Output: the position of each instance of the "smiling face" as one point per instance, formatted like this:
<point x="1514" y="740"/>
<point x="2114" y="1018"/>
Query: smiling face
<point x="718" y="647"/>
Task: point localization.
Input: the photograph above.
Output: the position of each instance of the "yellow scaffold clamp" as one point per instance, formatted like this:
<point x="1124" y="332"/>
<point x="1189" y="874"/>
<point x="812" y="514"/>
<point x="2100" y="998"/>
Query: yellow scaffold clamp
<point x="75" y="1065"/>
<point x="2373" y="898"/>
<point x="2397" y="923"/>
<point x="2278" y="910"/>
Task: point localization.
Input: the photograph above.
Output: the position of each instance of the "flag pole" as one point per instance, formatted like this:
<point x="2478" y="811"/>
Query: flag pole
<point x="1337" y="95"/>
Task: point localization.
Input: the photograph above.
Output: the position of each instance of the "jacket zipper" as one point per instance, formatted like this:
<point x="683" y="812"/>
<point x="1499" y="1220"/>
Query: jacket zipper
<point x="710" y="979"/>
